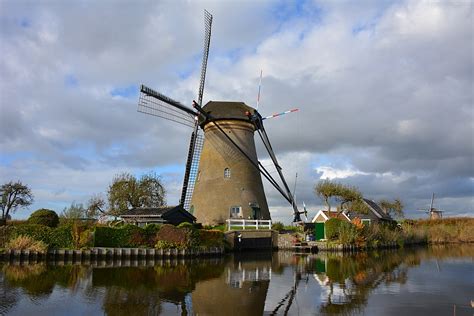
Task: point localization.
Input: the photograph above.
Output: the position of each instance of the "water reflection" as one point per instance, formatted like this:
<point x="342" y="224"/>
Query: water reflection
<point x="239" y="284"/>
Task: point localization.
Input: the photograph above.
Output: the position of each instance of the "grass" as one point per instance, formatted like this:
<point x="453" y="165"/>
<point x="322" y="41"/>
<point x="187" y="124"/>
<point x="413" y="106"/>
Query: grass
<point x="446" y="230"/>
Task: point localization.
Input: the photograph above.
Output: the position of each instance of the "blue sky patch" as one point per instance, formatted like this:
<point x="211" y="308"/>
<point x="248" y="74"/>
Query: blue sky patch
<point x="71" y="81"/>
<point x="187" y="68"/>
<point x="25" y="22"/>
<point x="125" y="92"/>
<point x="290" y="10"/>
<point x="7" y="159"/>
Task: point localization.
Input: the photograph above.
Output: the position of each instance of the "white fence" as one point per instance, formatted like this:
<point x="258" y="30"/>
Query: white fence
<point x="249" y="224"/>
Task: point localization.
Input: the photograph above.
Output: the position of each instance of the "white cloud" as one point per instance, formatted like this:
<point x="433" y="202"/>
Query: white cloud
<point x="331" y="173"/>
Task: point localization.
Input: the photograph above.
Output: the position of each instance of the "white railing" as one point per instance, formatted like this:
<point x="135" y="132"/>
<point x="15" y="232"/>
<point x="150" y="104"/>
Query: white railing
<point x="249" y="224"/>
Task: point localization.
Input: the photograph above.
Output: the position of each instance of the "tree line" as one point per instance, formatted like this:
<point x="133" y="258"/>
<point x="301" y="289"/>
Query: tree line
<point x="126" y="191"/>
<point x="350" y="198"/>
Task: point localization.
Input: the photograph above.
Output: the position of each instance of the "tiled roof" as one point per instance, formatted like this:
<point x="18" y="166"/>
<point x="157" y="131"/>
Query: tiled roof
<point x="353" y="215"/>
<point x="153" y="211"/>
<point x="378" y="210"/>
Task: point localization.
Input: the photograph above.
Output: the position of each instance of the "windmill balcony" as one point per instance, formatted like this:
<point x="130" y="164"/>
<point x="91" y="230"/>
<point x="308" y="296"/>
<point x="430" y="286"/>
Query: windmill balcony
<point x="248" y="224"/>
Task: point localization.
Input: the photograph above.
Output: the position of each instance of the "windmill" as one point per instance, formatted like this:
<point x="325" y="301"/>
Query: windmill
<point x="434" y="213"/>
<point x="223" y="177"/>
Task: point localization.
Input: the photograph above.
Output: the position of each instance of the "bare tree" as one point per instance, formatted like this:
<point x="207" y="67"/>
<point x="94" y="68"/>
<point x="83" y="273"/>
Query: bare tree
<point x="74" y="211"/>
<point x="96" y="205"/>
<point x="14" y="195"/>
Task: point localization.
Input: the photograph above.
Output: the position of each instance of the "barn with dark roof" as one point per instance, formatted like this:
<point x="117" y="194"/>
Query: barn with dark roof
<point x="142" y="216"/>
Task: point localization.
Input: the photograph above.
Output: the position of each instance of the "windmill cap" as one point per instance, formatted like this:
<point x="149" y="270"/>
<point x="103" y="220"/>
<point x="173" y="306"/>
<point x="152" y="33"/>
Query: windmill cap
<point x="225" y="110"/>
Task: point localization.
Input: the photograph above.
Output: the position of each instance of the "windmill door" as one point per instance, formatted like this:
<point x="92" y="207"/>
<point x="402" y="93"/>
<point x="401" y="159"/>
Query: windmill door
<point x="319" y="231"/>
<point x="256" y="212"/>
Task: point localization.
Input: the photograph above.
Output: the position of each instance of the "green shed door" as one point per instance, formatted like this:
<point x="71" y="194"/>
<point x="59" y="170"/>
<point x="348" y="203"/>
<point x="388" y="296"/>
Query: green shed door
<point x="319" y="231"/>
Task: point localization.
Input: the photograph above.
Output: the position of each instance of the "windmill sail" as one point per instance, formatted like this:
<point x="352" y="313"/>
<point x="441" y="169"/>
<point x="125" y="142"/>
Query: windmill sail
<point x="154" y="103"/>
<point x="192" y="167"/>
<point x="197" y="139"/>
<point x="207" y="43"/>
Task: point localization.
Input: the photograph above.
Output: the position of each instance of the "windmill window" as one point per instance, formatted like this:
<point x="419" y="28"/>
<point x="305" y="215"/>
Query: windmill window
<point x="235" y="211"/>
<point x="226" y="173"/>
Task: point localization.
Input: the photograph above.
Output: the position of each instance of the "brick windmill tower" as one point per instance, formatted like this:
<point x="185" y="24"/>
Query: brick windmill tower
<point x="223" y="177"/>
<point x="237" y="189"/>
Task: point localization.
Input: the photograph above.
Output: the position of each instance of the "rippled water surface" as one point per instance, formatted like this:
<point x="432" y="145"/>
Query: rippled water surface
<point x="427" y="281"/>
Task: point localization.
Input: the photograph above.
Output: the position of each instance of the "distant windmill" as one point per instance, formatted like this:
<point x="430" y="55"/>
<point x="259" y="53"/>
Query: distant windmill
<point x="433" y="212"/>
<point x="223" y="175"/>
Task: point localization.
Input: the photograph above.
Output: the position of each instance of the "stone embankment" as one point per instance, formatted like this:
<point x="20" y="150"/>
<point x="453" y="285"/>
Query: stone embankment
<point x="110" y="253"/>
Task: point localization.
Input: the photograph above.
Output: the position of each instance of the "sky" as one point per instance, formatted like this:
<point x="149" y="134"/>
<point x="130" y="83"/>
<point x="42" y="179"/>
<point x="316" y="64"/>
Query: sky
<point x="384" y="91"/>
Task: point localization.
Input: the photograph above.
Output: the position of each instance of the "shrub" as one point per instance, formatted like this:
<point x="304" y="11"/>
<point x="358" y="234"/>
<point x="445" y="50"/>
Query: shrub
<point x="150" y="232"/>
<point x="186" y="225"/>
<point x="332" y="228"/>
<point x="125" y="236"/>
<point x="5" y="235"/>
<point x="379" y="234"/>
<point x="26" y="243"/>
<point x="86" y="239"/>
<point x="278" y="226"/>
<point x="162" y="244"/>
<point x="210" y="238"/>
<point x="348" y="234"/>
<point x="174" y="235"/>
<point x="44" y="217"/>
<point x="61" y="237"/>
<point x="35" y="231"/>
<point x="77" y="228"/>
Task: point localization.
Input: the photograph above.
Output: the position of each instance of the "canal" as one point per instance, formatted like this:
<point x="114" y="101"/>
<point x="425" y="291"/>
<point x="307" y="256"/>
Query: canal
<point x="423" y="281"/>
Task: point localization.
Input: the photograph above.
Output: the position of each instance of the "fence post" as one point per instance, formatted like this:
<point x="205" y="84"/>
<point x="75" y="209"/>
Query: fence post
<point x="243" y="224"/>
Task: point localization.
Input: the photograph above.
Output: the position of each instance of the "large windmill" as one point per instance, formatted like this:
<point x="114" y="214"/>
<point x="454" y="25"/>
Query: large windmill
<point x="223" y="175"/>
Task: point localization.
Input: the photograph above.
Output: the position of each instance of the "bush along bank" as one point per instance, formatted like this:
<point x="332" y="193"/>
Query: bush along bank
<point x="88" y="240"/>
<point x="345" y="236"/>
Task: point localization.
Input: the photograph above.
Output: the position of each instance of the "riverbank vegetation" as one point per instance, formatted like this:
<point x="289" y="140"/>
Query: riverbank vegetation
<point x="445" y="230"/>
<point x="77" y="234"/>
<point x="448" y="230"/>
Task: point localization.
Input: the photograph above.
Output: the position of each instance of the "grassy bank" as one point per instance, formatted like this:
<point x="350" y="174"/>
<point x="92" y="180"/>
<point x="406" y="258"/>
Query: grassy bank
<point x="449" y="230"/>
<point x="446" y="230"/>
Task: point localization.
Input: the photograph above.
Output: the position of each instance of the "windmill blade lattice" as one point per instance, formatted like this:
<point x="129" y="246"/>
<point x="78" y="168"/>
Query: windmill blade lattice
<point x="192" y="173"/>
<point x="156" y="104"/>
<point x="197" y="139"/>
<point x="207" y="43"/>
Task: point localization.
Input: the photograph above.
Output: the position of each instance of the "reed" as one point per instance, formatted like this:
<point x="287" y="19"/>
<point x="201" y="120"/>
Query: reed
<point x="26" y="243"/>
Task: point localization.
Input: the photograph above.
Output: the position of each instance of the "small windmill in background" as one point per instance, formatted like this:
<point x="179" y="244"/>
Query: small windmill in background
<point x="433" y="213"/>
